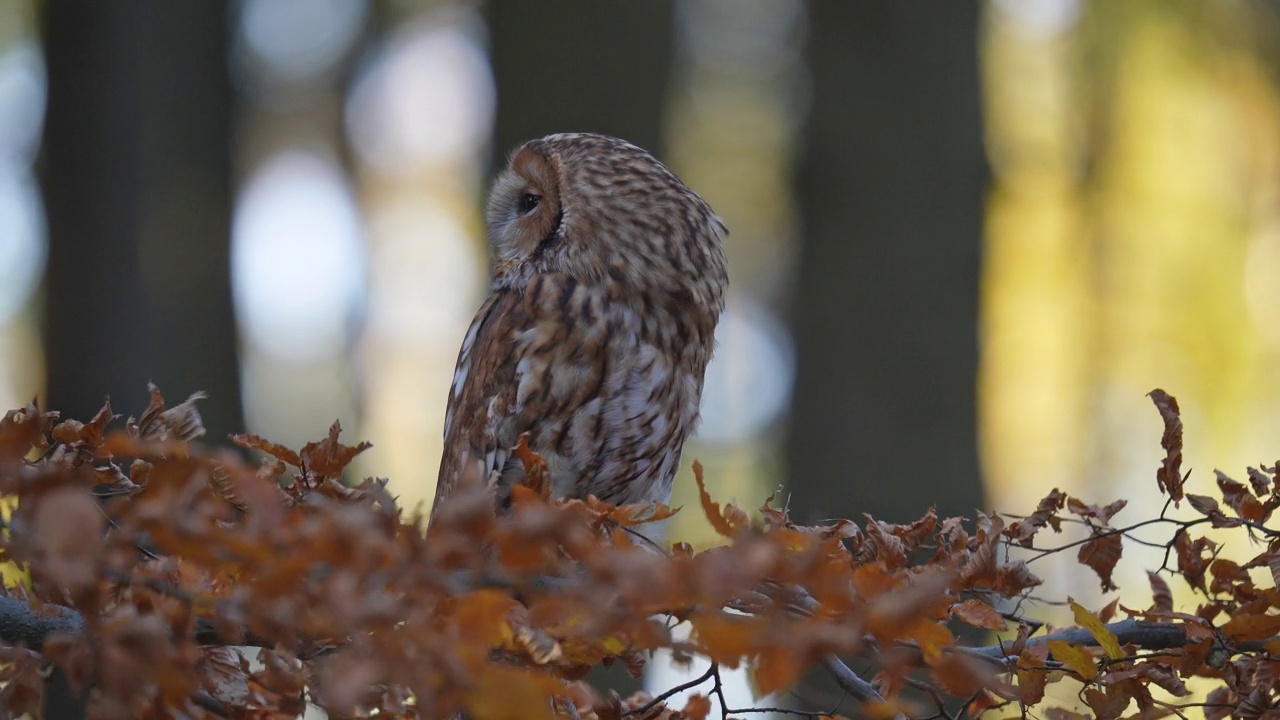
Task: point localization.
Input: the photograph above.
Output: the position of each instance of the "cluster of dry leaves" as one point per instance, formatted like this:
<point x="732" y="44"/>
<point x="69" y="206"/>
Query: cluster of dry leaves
<point x="156" y="563"/>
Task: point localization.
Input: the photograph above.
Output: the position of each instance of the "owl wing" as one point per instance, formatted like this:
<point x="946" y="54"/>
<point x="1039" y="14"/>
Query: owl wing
<point x="522" y="362"/>
<point x="483" y="383"/>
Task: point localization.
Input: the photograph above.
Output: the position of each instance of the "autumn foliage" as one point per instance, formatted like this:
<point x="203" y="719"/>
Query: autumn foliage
<point x="167" y="578"/>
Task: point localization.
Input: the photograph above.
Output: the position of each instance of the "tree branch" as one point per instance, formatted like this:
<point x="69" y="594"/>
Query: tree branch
<point x="849" y="681"/>
<point x="22" y="624"/>
<point x="1146" y="635"/>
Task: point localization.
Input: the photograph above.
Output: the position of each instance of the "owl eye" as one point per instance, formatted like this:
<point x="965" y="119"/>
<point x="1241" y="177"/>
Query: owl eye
<point x="527" y="203"/>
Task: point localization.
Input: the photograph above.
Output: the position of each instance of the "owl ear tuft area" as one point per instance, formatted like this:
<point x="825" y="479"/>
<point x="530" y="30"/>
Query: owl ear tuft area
<point x="523" y="211"/>
<point x="538" y="171"/>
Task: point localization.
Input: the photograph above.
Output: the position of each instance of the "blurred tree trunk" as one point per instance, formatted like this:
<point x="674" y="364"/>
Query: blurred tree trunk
<point x="587" y="66"/>
<point x="136" y="177"/>
<point x="886" y="319"/>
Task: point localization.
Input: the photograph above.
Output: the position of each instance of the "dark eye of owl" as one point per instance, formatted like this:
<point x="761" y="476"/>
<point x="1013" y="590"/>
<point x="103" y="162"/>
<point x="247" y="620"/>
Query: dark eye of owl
<point x="527" y="203"/>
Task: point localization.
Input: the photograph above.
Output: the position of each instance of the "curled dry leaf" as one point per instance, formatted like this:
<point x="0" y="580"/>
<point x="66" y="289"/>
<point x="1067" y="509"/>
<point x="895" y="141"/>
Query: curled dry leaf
<point x="250" y="441"/>
<point x="1252" y="626"/>
<point x="1169" y="476"/>
<point x="1238" y="497"/>
<point x="329" y="458"/>
<point x="1101" y="554"/>
<point x="719" y="522"/>
<point x="979" y="614"/>
<point x="697" y="708"/>
<point x="1261" y="482"/>
<point x="1023" y="531"/>
<point x="1102" y="514"/>
<point x="537" y="473"/>
<point x="181" y="422"/>
<point x="1161" y="594"/>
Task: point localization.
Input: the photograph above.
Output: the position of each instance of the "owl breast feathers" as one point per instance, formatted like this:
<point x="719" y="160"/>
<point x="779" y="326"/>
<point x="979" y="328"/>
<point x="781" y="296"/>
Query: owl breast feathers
<point x="609" y="278"/>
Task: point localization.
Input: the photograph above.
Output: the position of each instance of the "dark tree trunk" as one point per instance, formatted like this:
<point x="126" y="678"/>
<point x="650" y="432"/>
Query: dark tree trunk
<point x="581" y="66"/>
<point x="136" y="178"/>
<point x="886" y="319"/>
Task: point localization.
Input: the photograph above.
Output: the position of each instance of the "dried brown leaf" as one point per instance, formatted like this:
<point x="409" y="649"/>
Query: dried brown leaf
<point x="697" y="707"/>
<point x="329" y="458"/>
<point x="182" y="422"/>
<point x="979" y="614"/>
<point x="1101" y="555"/>
<point x="1192" y="564"/>
<point x="777" y="667"/>
<point x="1251" y="626"/>
<point x="711" y="509"/>
<point x="1161" y="594"/>
<point x="1023" y="531"/>
<point x="1262" y="482"/>
<point x="250" y="441"/>
<point x="1103" y="514"/>
<point x="1169" y="476"/>
<point x="1238" y="497"/>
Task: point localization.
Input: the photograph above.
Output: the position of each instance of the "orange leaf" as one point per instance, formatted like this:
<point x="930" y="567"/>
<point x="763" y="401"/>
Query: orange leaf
<point x="698" y="707"/>
<point x="481" y="616"/>
<point x="1090" y="622"/>
<point x="330" y="457"/>
<point x="250" y="441"/>
<point x="727" y="638"/>
<point x="883" y="710"/>
<point x="501" y="693"/>
<point x="1023" y="531"/>
<point x="711" y="509"/>
<point x="979" y="614"/>
<point x="641" y="513"/>
<point x="1108" y="704"/>
<point x="1252" y="626"/>
<point x="872" y="579"/>
<point x="981" y="703"/>
<point x="959" y="675"/>
<point x="1078" y="659"/>
<point x="537" y="473"/>
<point x="1032" y="674"/>
<point x="932" y="638"/>
<point x="776" y="667"/>
<point x="1108" y="613"/>
<point x="74" y="432"/>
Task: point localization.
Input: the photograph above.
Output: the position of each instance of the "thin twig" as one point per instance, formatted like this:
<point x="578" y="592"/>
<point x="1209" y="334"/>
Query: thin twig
<point x="849" y="681"/>
<point x="710" y="673"/>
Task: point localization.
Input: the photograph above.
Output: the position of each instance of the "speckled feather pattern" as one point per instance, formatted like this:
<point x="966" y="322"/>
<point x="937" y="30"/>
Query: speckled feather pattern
<point x="609" y="278"/>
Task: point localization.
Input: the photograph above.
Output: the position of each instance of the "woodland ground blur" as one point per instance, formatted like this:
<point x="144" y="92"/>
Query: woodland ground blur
<point x="967" y="238"/>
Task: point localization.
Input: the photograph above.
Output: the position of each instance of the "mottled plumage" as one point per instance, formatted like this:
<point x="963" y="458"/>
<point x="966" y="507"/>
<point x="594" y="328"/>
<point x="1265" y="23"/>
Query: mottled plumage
<point x="609" y="278"/>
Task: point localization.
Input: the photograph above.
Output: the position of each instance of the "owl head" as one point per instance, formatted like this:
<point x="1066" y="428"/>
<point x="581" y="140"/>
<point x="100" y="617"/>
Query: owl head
<point x="604" y="212"/>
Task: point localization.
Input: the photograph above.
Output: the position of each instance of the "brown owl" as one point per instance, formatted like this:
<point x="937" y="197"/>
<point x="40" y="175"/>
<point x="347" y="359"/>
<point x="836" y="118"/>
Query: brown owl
<point x="609" y="278"/>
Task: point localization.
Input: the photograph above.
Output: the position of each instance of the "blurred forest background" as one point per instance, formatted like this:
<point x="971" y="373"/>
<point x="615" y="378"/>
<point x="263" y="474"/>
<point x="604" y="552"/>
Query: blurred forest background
<point x="967" y="238"/>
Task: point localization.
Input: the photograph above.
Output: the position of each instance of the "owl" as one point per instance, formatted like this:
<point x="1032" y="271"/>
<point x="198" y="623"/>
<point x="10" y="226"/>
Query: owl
<point x="609" y="276"/>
